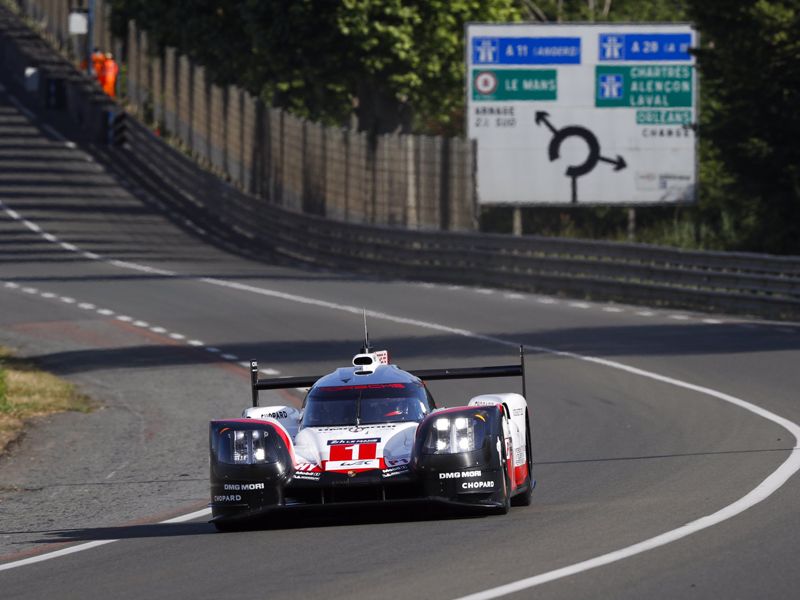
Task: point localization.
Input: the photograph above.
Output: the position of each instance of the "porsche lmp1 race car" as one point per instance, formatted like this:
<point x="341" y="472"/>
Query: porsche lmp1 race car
<point x="371" y="433"/>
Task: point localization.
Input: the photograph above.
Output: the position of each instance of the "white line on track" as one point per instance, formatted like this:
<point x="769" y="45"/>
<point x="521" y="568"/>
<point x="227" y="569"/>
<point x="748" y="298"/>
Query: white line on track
<point x="88" y="545"/>
<point x="761" y="492"/>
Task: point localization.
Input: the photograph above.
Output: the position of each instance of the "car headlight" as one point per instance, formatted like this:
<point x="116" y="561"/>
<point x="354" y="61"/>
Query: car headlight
<point x="450" y="435"/>
<point x="246" y="447"/>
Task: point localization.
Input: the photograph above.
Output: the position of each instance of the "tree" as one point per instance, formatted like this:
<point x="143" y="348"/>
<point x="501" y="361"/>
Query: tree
<point x="750" y="61"/>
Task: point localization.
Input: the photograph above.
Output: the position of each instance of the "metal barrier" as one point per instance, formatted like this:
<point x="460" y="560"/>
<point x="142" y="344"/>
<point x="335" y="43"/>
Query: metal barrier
<point x="728" y="282"/>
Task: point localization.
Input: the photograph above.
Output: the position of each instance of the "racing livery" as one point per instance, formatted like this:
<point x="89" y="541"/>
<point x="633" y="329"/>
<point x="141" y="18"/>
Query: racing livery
<point x="371" y="433"/>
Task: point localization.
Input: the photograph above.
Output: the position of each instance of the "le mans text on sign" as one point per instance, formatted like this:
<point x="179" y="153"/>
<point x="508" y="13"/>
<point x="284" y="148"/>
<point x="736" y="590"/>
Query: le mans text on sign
<point x="583" y="114"/>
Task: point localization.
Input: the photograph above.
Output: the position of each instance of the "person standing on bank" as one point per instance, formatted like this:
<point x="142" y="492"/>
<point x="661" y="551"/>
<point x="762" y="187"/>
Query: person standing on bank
<point x="98" y="60"/>
<point x="110" y="72"/>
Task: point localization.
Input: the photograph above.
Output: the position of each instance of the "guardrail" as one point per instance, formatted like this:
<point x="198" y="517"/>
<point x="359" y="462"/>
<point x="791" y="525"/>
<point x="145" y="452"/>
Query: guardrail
<point x="740" y="283"/>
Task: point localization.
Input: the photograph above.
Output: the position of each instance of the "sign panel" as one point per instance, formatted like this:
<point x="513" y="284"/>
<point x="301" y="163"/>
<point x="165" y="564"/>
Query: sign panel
<point x="583" y="114"/>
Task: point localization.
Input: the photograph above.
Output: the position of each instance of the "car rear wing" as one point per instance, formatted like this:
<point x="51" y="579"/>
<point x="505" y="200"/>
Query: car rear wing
<point x="278" y="383"/>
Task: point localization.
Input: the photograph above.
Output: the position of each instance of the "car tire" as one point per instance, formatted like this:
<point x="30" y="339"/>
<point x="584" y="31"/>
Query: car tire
<point x="524" y="498"/>
<point x="506" y="499"/>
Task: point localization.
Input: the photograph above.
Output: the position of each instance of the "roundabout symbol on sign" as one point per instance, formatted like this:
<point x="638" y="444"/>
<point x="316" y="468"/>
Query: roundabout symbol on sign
<point x="594" y="156"/>
<point x="486" y="82"/>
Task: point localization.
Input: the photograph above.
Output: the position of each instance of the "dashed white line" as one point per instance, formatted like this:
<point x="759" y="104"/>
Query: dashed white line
<point x="50" y="237"/>
<point x="12" y="285"/>
<point x="512" y="296"/>
<point x="712" y="321"/>
<point x="68" y="246"/>
<point x="679" y="317"/>
<point x="195" y="343"/>
<point x="67" y="300"/>
<point x="581" y="305"/>
<point x="546" y="301"/>
<point x="86" y="306"/>
<point x="177" y="336"/>
<point x="212" y="349"/>
<point x="612" y="309"/>
<point x="30" y="290"/>
<point x="48" y="295"/>
<point x="141" y="324"/>
<point x="486" y="291"/>
<point x="229" y="356"/>
<point x="105" y="312"/>
<point x="645" y="313"/>
<point x="269" y="371"/>
<point x="158" y="329"/>
<point x="124" y="318"/>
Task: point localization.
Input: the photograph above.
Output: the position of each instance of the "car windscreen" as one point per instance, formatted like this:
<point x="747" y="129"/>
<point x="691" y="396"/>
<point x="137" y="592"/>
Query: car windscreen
<point x="365" y="404"/>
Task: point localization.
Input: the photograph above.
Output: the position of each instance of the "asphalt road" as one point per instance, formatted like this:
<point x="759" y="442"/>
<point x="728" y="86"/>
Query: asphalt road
<point x="152" y="318"/>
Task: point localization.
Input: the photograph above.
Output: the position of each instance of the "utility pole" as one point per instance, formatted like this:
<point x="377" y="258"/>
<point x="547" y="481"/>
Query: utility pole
<point x="89" y="36"/>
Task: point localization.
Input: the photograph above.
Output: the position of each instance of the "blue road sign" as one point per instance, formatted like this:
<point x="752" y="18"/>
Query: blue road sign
<point x="526" y="51"/>
<point x="645" y="46"/>
<point x="611" y="86"/>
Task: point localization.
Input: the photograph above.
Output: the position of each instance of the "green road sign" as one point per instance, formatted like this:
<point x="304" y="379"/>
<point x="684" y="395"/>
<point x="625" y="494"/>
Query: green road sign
<point x="663" y="117"/>
<point x="649" y="86"/>
<point x="514" y="84"/>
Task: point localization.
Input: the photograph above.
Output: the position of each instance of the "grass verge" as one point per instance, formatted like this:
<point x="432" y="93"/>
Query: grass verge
<point x="27" y="392"/>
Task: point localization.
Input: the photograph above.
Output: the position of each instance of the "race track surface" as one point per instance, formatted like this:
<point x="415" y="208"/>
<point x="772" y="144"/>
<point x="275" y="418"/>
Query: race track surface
<point x="148" y="315"/>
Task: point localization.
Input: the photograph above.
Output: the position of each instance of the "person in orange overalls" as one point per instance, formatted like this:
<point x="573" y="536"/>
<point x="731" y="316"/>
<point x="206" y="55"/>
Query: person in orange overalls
<point x="110" y="72"/>
<point x="98" y="60"/>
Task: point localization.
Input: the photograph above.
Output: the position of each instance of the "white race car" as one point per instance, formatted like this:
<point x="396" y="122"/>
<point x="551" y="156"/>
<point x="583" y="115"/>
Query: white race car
<point x="371" y="433"/>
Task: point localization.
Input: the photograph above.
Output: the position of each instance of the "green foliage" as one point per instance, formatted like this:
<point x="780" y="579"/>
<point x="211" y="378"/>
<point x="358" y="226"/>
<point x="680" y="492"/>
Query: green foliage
<point x="322" y="58"/>
<point x="750" y="61"/>
<point x="398" y="63"/>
